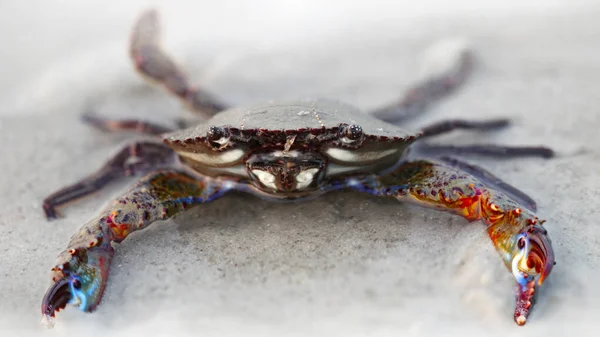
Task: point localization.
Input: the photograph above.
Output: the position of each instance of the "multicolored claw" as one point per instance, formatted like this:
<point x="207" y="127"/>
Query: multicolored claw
<point x="79" y="279"/>
<point x="81" y="273"/>
<point x="532" y="262"/>
<point x="516" y="232"/>
<point x="56" y="298"/>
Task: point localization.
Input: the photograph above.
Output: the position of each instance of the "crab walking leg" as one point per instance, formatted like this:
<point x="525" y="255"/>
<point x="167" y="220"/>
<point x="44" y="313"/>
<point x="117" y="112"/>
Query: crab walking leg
<point x="456" y="124"/>
<point x="515" y="231"/>
<point x="82" y="269"/>
<point x="152" y="62"/>
<point x="488" y="150"/>
<point x="434" y="88"/>
<point x="114" y="125"/>
<point x="130" y="160"/>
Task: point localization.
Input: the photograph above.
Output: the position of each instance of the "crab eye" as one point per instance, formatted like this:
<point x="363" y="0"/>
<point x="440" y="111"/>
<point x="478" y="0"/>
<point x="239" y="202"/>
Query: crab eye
<point x="351" y="133"/>
<point x="217" y="136"/>
<point x="521" y="243"/>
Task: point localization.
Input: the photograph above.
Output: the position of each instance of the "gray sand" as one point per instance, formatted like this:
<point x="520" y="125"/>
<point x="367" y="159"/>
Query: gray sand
<point x="345" y="264"/>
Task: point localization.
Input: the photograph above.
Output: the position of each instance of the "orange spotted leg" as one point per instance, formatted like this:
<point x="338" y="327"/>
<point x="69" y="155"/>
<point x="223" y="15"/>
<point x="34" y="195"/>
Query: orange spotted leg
<point x="81" y="271"/>
<point x="153" y="63"/>
<point x="136" y="158"/>
<point x="515" y="230"/>
<point x="492" y="181"/>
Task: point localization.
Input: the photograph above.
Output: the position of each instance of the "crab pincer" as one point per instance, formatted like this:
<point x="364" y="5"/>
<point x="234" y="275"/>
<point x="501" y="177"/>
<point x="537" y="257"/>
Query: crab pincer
<point x="523" y="244"/>
<point x="79" y="278"/>
<point x="532" y="261"/>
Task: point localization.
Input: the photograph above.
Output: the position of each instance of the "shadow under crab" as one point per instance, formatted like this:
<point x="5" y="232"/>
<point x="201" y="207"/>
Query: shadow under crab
<point x="292" y="151"/>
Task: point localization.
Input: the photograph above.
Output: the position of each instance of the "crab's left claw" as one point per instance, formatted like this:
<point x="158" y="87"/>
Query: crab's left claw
<point x="530" y="266"/>
<point x="79" y="278"/>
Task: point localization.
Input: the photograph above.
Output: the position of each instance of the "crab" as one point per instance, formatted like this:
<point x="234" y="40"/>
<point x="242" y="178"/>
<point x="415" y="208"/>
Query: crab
<point x="293" y="151"/>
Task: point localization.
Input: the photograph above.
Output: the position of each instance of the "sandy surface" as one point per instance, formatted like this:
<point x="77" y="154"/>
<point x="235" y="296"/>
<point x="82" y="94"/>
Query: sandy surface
<point x="343" y="265"/>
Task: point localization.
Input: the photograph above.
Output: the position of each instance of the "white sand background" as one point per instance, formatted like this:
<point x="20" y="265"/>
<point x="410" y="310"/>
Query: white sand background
<point x="343" y="265"/>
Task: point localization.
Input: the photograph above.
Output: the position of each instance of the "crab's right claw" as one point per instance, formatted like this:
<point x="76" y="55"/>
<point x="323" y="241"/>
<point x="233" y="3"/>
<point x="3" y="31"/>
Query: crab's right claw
<point x="56" y="298"/>
<point x="531" y="265"/>
<point x="79" y="278"/>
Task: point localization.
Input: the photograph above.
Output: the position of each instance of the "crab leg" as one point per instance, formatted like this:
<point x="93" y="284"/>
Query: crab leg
<point x="152" y="62"/>
<point x="82" y="269"/>
<point x="454" y="124"/>
<point x="112" y="125"/>
<point x="515" y="231"/>
<point x="488" y="150"/>
<point x="418" y="98"/>
<point x="130" y="160"/>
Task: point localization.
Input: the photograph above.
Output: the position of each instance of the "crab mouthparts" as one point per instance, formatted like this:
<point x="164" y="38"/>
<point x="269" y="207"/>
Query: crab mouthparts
<point x="56" y="298"/>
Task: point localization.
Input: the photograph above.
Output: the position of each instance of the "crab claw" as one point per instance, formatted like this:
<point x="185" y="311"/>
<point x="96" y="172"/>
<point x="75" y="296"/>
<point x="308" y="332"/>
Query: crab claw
<point x="56" y="298"/>
<point x="541" y="255"/>
<point x="79" y="278"/>
<point x="530" y="266"/>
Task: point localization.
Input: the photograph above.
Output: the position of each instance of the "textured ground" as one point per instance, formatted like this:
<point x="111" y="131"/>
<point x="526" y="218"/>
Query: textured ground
<point x="346" y="264"/>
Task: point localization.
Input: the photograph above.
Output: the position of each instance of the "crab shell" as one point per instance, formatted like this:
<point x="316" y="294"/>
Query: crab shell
<point x="349" y="140"/>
